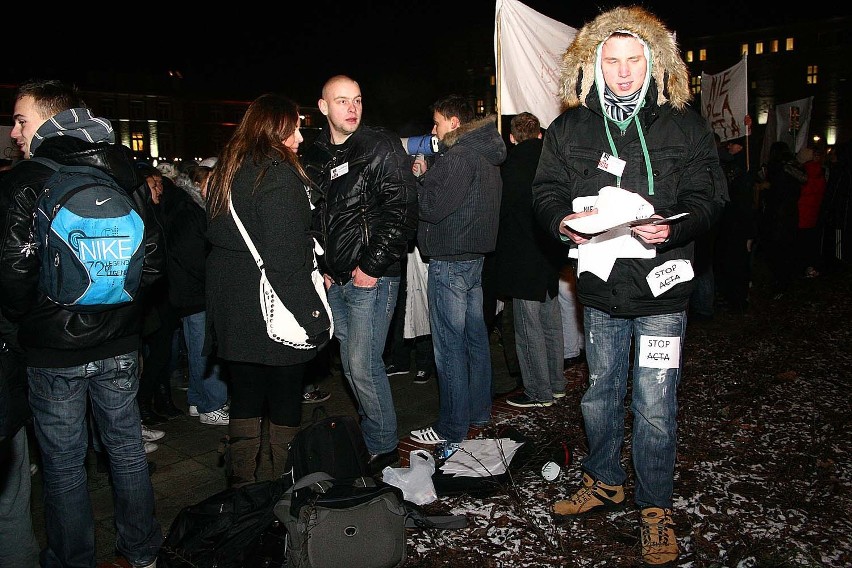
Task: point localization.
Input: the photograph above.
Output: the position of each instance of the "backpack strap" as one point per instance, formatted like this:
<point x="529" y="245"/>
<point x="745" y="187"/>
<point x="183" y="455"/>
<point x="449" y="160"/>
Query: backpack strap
<point x="282" y="507"/>
<point x="52" y="164"/>
<point x="414" y="519"/>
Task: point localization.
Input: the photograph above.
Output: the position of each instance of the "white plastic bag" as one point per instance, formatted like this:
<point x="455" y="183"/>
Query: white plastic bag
<point x="416" y="480"/>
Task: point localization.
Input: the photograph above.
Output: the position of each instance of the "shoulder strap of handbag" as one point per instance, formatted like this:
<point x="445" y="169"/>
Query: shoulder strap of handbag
<point x="244" y="233"/>
<point x="323" y="482"/>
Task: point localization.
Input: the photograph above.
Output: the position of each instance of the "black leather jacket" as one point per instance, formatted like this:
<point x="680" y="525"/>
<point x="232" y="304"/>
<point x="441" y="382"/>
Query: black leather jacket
<point x="51" y="335"/>
<point x="367" y="215"/>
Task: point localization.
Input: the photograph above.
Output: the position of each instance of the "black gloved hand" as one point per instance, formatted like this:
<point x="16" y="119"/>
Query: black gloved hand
<point x="319" y="339"/>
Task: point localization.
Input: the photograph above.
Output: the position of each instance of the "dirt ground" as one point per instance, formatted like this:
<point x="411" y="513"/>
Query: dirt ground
<point x="763" y="467"/>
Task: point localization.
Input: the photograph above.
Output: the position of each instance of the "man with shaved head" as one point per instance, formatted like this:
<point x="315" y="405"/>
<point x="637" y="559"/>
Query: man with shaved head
<point x="366" y="212"/>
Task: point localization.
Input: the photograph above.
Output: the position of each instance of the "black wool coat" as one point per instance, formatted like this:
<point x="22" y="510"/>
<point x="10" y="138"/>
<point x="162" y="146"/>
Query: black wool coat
<point x="276" y="213"/>
<point x="528" y="259"/>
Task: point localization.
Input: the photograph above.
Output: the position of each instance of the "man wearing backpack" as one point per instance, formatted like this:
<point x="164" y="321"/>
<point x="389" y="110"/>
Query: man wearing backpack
<point x="73" y="357"/>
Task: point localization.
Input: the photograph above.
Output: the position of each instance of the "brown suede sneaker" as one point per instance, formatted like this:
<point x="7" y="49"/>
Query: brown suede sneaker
<point x="593" y="496"/>
<point x="659" y="544"/>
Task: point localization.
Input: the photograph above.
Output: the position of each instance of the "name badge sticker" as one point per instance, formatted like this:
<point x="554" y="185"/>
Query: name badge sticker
<point x="657" y="352"/>
<point x="339" y="170"/>
<point x="611" y="164"/>
<point x="669" y="274"/>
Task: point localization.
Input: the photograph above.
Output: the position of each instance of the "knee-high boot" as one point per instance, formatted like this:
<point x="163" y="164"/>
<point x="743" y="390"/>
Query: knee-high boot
<point x="243" y="447"/>
<point x="279" y="440"/>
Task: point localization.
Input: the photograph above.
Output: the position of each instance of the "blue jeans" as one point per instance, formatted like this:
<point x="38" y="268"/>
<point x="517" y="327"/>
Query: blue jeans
<point x="657" y="365"/>
<point x="538" y="343"/>
<point x="206" y="390"/>
<point x="572" y="333"/>
<point x="704" y="294"/>
<point x="362" y="317"/>
<point x="58" y="400"/>
<point x="462" y="351"/>
<point x="20" y="547"/>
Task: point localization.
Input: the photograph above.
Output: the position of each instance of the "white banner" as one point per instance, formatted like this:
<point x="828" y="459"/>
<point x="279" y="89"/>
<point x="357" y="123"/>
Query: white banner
<point x="793" y="120"/>
<point x="724" y="101"/>
<point x="528" y="49"/>
<point x="8" y="148"/>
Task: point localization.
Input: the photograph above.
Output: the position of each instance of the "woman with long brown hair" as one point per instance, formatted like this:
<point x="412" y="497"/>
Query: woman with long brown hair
<point x="260" y="174"/>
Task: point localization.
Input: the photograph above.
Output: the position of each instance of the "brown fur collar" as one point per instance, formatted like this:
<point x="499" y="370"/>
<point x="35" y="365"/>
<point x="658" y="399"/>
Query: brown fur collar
<point x="667" y="68"/>
<point x="452" y="137"/>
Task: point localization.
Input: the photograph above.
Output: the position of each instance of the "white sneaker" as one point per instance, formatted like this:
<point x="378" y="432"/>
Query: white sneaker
<point x="217" y="417"/>
<point x="150" y="447"/>
<point x="427" y="436"/>
<point x="151" y="435"/>
<point x="193" y="411"/>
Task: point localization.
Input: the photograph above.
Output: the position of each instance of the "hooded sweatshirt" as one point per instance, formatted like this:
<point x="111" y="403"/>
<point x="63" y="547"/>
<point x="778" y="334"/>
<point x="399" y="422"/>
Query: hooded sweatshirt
<point x="669" y="151"/>
<point x="459" y="196"/>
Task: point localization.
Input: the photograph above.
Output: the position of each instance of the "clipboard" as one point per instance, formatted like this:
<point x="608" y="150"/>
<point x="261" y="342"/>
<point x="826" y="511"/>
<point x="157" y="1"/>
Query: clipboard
<point x="631" y="223"/>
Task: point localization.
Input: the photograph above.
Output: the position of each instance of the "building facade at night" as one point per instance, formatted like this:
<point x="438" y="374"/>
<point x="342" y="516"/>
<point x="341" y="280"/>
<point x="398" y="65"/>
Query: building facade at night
<point x="157" y="118"/>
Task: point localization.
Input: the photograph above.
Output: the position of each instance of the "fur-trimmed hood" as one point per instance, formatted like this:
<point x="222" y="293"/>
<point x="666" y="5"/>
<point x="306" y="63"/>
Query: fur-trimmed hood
<point x="667" y="69"/>
<point x="453" y="136"/>
<point x="482" y="136"/>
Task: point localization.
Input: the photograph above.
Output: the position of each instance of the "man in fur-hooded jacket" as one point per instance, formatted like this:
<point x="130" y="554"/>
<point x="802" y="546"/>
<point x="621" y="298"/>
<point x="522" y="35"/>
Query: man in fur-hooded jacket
<point x="459" y="203"/>
<point x="627" y="125"/>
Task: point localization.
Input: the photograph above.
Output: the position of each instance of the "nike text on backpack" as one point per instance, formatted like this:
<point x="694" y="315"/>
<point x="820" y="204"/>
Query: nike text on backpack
<point x="90" y="239"/>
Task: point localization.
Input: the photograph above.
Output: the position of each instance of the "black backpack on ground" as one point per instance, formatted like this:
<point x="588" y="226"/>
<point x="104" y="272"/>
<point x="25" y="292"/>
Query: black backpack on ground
<point x="226" y="530"/>
<point x="331" y="444"/>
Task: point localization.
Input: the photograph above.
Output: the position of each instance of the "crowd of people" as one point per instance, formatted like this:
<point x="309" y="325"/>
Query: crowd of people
<point x="412" y="250"/>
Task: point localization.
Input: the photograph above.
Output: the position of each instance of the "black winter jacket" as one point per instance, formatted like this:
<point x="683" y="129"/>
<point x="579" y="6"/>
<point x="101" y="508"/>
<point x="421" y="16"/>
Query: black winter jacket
<point x="687" y="179"/>
<point x="14" y="407"/>
<point x="459" y="196"/>
<point x="276" y="214"/>
<point x="367" y="215"/>
<point x="186" y="242"/>
<point x="528" y="259"/>
<point x="53" y="336"/>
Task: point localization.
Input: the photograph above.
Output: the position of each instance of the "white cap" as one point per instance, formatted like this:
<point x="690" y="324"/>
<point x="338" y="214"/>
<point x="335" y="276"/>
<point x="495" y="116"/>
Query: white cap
<point x="550" y="471"/>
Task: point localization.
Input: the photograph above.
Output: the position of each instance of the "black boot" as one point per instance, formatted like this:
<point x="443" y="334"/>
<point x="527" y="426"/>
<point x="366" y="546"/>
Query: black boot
<point x="149" y="418"/>
<point x="163" y="404"/>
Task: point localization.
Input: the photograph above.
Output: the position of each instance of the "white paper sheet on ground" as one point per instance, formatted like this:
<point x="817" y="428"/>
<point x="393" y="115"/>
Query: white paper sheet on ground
<point x="481" y="458"/>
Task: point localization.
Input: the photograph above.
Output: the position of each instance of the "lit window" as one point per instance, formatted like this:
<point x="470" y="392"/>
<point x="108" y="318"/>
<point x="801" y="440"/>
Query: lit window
<point x="689" y="56"/>
<point x="695" y="84"/>
<point x="744" y="49"/>
<point x="773" y="46"/>
<point x="480" y="106"/>
<point x="702" y="55"/>
<point x="813" y="71"/>
<point x="137" y="142"/>
<point x="493" y="80"/>
<point x="790" y="44"/>
<point x="758" y="48"/>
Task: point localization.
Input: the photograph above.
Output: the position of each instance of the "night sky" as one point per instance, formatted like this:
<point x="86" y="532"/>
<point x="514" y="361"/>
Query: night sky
<point x="404" y="54"/>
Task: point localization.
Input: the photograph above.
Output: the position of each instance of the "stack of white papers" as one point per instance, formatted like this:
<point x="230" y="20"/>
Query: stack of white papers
<point x="616" y="208"/>
<point x="481" y="458"/>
